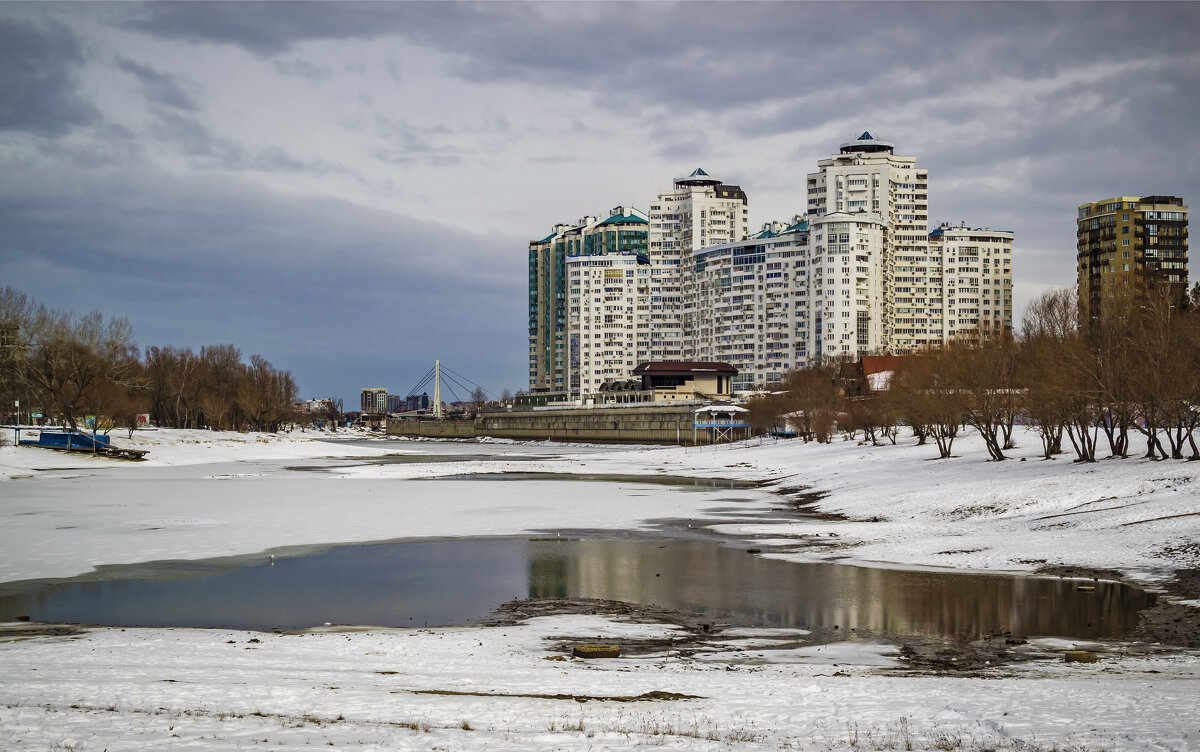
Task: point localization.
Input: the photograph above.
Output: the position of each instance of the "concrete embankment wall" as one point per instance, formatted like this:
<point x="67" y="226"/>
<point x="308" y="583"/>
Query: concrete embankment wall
<point x="433" y="429"/>
<point x="630" y="425"/>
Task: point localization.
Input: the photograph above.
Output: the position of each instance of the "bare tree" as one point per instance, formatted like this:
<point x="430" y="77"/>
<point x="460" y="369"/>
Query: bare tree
<point x="1062" y="375"/>
<point x="1042" y="371"/>
<point x="814" y="403"/>
<point x="266" y="394"/>
<point x="982" y="374"/>
<point x="330" y="414"/>
<point x="220" y="370"/>
<point x="16" y="313"/>
<point x="767" y="412"/>
<point x="924" y="393"/>
<point x="478" y="400"/>
<point x="1153" y="379"/>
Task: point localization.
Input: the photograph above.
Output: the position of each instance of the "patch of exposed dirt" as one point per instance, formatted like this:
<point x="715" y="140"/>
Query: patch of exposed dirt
<point x="1172" y="623"/>
<point x="696" y="635"/>
<point x="515" y="612"/>
<point x="804" y="500"/>
<point x="26" y="631"/>
<point x="695" y="629"/>
<point x="941" y="656"/>
<point x="653" y="696"/>
<point x="1060" y="570"/>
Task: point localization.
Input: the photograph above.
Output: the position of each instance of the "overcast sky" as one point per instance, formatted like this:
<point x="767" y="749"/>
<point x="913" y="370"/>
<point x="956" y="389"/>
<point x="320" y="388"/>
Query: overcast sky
<point x="349" y="190"/>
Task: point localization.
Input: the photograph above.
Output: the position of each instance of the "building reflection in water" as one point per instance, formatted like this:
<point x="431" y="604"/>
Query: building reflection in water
<point x="458" y="581"/>
<point x="725" y="582"/>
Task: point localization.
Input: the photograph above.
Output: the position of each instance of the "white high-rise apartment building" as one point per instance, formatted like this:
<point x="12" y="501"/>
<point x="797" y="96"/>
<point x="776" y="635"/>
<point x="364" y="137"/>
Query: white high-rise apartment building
<point x="845" y="285"/>
<point x="606" y="317"/>
<point x="866" y="176"/>
<point x="785" y="297"/>
<point x="745" y="304"/>
<point x="977" y="286"/>
<point x="858" y="274"/>
<point x="700" y="211"/>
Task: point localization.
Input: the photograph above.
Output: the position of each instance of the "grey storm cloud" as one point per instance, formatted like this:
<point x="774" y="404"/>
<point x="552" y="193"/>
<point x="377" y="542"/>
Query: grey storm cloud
<point x="161" y="89"/>
<point x="200" y="262"/>
<point x="719" y="56"/>
<point x="303" y="69"/>
<point x="406" y="143"/>
<point x="265" y="28"/>
<point x="191" y="137"/>
<point x="39" y="92"/>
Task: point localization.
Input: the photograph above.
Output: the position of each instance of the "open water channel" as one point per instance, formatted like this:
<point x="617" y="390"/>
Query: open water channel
<point x="458" y="581"/>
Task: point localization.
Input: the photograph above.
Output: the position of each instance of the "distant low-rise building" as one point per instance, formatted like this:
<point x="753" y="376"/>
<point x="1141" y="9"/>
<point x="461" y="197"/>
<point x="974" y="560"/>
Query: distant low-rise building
<point x="415" y="402"/>
<point x="870" y="374"/>
<point x="325" y="405"/>
<point x="374" y="401"/>
<point x="671" y="381"/>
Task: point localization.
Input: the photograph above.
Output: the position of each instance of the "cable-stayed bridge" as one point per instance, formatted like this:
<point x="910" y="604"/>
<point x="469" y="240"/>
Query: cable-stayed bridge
<point x="442" y="376"/>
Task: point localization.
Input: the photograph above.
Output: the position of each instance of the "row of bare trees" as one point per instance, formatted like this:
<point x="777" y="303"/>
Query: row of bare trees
<point x="215" y="389"/>
<point x="74" y="366"/>
<point x="1124" y="377"/>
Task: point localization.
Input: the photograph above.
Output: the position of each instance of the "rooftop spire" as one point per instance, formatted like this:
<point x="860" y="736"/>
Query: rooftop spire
<point x="867" y="144"/>
<point x="698" y="177"/>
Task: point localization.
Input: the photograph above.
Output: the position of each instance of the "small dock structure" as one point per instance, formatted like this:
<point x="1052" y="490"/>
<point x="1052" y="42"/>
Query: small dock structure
<point x="721" y="424"/>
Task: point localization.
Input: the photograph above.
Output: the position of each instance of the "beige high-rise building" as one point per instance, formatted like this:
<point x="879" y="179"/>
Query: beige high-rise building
<point x="846" y="283"/>
<point x="700" y="211"/>
<point x="1127" y="245"/>
<point x="866" y="176"/>
<point x="605" y="324"/>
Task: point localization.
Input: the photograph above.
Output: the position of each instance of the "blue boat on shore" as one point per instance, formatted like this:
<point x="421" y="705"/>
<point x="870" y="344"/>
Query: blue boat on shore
<point x="74" y="440"/>
<point x="68" y="439"/>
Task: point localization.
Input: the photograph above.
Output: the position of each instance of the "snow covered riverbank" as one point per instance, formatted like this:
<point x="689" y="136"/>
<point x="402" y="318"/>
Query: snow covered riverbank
<point x="880" y="504"/>
<point x="900" y="506"/>
<point x="897" y="505"/>
<point x="510" y="688"/>
<point x="202" y="494"/>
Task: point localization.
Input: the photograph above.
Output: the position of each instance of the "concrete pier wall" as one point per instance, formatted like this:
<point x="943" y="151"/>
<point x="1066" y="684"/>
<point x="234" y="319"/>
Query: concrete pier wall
<point x="657" y="424"/>
<point x="433" y="429"/>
